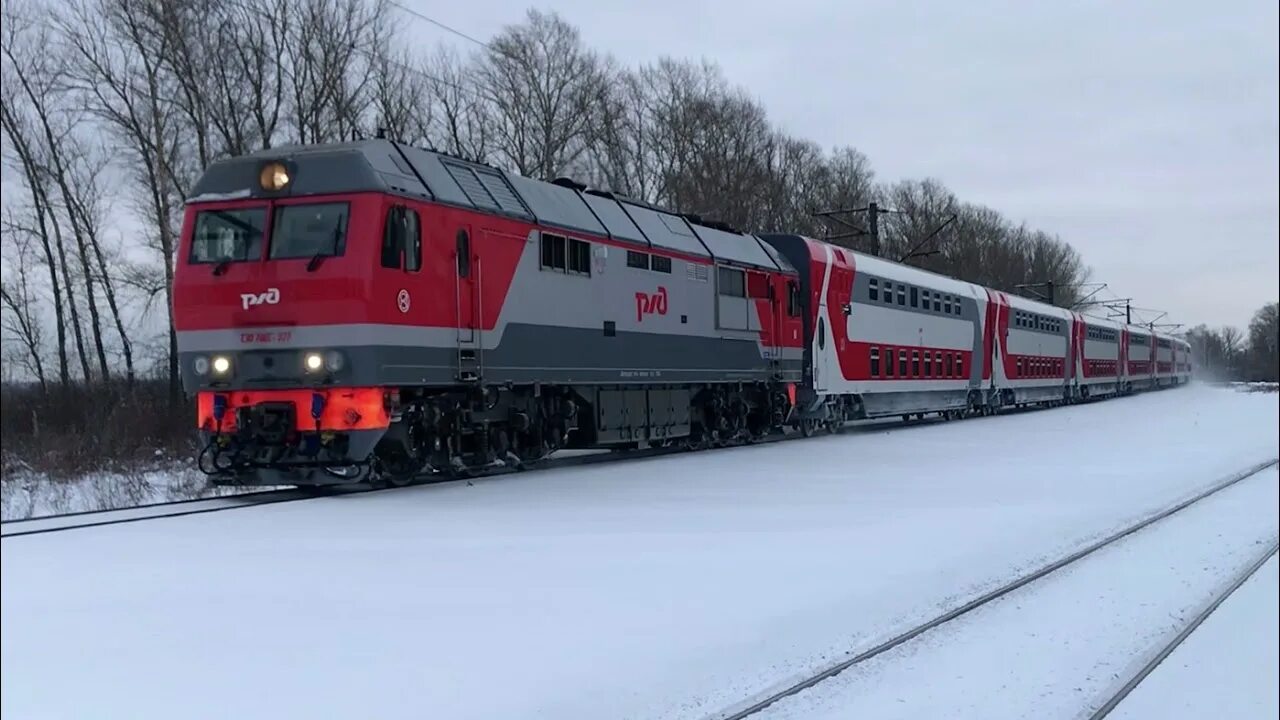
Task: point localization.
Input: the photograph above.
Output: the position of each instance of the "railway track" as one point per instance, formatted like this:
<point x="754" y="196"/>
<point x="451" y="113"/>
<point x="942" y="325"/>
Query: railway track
<point x="1119" y="695"/>
<point x="197" y="506"/>
<point x="756" y="704"/>
<point x="180" y="508"/>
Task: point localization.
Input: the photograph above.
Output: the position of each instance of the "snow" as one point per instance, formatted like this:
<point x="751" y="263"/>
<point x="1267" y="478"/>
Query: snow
<point x="27" y="494"/>
<point x="661" y="588"/>
<point x="1066" y="643"/>
<point x="1227" y="668"/>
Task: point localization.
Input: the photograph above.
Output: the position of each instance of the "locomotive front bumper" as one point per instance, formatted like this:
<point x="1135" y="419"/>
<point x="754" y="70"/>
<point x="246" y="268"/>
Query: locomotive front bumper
<point x="295" y="436"/>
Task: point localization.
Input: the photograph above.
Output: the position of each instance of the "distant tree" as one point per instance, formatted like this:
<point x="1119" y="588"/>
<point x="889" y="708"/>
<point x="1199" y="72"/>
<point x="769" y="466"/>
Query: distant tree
<point x="1264" y="344"/>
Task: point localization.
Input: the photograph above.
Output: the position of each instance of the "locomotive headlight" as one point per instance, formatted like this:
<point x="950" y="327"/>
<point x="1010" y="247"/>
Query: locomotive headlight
<point x="200" y="365"/>
<point x="333" y="361"/>
<point x="313" y="362"/>
<point x="221" y="365"/>
<point x="274" y="176"/>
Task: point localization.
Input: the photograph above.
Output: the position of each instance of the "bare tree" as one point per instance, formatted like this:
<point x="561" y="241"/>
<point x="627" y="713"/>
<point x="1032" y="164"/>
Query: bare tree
<point x="544" y="88"/>
<point x="402" y="99"/>
<point x="461" y="122"/>
<point x="328" y="79"/>
<point x="19" y="300"/>
<point x="117" y="50"/>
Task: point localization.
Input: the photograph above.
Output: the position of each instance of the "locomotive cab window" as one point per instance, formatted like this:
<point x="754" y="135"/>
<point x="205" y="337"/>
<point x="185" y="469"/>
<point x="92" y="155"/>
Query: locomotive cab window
<point x="228" y="235"/>
<point x="308" y="231"/>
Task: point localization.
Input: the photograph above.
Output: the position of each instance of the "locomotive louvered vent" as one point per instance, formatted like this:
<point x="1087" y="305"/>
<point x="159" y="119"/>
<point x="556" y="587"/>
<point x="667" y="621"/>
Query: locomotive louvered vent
<point x="486" y="188"/>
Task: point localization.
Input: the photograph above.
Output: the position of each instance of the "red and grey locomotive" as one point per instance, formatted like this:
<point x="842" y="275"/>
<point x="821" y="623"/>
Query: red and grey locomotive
<point x="373" y="311"/>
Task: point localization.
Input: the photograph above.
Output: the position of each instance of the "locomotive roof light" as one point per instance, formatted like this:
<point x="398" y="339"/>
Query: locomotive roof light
<point x="221" y="365"/>
<point x="274" y="176"/>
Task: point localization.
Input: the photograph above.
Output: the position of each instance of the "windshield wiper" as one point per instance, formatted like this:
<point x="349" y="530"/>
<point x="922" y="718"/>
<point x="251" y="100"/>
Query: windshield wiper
<point x="221" y="267"/>
<point x="320" y="256"/>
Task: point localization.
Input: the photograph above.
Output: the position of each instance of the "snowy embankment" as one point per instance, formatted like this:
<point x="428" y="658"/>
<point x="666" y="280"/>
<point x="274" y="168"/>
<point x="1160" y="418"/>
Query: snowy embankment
<point x="665" y="588"/>
<point x="26" y="493"/>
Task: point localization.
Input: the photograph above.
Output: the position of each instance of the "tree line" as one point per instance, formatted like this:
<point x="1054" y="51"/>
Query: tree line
<point x="1226" y="353"/>
<point x="112" y="108"/>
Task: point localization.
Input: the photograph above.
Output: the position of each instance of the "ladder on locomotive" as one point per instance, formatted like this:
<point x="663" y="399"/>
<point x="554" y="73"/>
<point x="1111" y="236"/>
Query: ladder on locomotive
<point x="469" y="305"/>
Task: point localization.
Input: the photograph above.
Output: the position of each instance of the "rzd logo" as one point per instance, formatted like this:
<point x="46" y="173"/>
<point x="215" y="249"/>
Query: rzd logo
<point x="270" y="297"/>
<point x="647" y="304"/>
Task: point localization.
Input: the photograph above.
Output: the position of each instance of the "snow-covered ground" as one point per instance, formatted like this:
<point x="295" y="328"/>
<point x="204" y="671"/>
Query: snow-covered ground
<point x="28" y="494"/>
<point x="1066" y="643"/>
<point x="664" y="588"/>
<point x="1227" y="669"/>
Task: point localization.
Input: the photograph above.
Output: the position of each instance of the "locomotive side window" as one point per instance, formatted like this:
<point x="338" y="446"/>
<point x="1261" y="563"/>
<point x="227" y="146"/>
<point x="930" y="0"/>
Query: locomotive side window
<point x="732" y="282"/>
<point x="637" y="260"/>
<point x="793" y="299"/>
<point x="228" y="235"/>
<point x="657" y="263"/>
<point x="463" y="242"/>
<point x="553" y="251"/>
<point x="392" y="239"/>
<point x="307" y="231"/>
<point x="401" y="240"/>
<point x="579" y="257"/>
<point x="413" y="244"/>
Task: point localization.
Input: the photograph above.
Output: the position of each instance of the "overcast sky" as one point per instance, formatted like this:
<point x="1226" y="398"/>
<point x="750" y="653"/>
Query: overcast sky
<point x="1144" y="133"/>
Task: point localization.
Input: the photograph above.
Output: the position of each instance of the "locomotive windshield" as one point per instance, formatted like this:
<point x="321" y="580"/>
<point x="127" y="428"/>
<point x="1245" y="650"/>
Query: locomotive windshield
<point x="308" y="231"/>
<point x="228" y="235"/>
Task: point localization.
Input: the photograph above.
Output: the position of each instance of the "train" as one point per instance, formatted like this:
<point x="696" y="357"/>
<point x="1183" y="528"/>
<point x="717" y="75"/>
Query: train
<point x="373" y="312"/>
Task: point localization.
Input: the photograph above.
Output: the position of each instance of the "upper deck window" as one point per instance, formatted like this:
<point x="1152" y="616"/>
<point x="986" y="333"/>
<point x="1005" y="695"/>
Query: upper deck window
<point x="228" y="235"/>
<point x="304" y="231"/>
